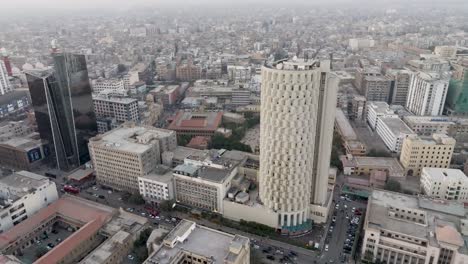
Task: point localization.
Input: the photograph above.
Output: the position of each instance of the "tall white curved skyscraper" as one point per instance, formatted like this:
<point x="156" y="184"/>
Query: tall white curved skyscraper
<point x="296" y="131"/>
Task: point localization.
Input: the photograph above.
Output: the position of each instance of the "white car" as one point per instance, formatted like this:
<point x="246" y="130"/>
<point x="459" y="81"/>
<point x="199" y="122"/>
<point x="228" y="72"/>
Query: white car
<point x="130" y="257"/>
<point x="345" y="206"/>
<point x="326" y="247"/>
<point x="157" y="217"/>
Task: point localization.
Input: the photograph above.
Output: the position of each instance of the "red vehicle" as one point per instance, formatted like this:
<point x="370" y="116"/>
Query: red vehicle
<point x="71" y="189"/>
<point x="151" y="211"/>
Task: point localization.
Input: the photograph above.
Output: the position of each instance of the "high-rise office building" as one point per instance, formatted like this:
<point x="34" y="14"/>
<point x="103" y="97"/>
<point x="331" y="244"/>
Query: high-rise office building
<point x="6" y="60"/>
<point x="5" y="85"/>
<point x="457" y="95"/>
<point x="297" y="118"/>
<point x="400" y="81"/>
<point x="63" y="108"/>
<point x="427" y="93"/>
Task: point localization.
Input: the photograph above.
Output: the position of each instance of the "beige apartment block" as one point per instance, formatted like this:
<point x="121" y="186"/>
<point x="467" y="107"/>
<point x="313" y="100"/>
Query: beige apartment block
<point x="122" y="155"/>
<point x="418" y="152"/>
<point x="401" y="228"/>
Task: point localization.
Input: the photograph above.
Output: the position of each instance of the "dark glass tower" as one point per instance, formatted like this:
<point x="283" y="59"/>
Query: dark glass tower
<point x="64" y="108"/>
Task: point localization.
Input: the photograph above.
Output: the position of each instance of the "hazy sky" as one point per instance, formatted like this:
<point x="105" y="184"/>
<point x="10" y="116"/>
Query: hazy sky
<point x="122" y="4"/>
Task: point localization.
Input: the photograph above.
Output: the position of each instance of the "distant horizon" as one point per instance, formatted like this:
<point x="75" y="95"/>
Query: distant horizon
<point x="124" y="4"/>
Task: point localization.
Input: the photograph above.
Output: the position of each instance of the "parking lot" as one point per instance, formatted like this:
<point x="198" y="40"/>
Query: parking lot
<point x="45" y="243"/>
<point x="343" y="230"/>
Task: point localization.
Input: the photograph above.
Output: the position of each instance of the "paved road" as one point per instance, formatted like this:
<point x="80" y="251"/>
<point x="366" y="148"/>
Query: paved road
<point x="335" y="242"/>
<point x="304" y="256"/>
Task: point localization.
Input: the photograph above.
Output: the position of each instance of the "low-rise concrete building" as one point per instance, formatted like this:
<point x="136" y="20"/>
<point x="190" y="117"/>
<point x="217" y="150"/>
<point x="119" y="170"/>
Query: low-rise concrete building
<point x="448" y="184"/>
<point x="418" y="153"/>
<point x="192" y="243"/>
<point x="157" y="186"/>
<point x="22" y="194"/>
<point x="196" y="124"/>
<point x="364" y="166"/>
<point x="350" y="140"/>
<point x="401" y="228"/>
<point x="203" y="186"/>
<point x="377" y="110"/>
<point x="393" y="132"/>
<point x="92" y="233"/>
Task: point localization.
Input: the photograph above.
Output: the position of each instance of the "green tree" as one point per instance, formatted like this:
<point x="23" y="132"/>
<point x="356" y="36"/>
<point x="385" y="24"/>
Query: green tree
<point x="166" y="205"/>
<point x="392" y="185"/>
<point x="183" y="140"/>
<point x="121" y="68"/>
<point x="139" y="246"/>
<point x="378" y="153"/>
<point x="136" y="199"/>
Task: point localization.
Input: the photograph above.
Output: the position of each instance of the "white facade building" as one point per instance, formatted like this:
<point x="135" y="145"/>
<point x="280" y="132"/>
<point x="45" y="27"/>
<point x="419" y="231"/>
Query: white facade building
<point x="22" y="194"/>
<point x="5" y="85"/>
<point x="361" y="43"/>
<point x="101" y="85"/>
<point x="447" y="184"/>
<point x="428" y="125"/>
<point x="157" y="185"/>
<point x="239" y="74"/>
<point x="377" y="110"/>
<point x="427" y="93"/>
<point x="393" y="132"/>
<point x="401" y="228"/>
<point x="130" y="78"/>
<point x="203" y="186"/>
<point x="298" y="107"/>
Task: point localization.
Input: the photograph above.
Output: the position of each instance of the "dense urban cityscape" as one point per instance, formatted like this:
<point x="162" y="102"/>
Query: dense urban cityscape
<point x="222" y="132"/>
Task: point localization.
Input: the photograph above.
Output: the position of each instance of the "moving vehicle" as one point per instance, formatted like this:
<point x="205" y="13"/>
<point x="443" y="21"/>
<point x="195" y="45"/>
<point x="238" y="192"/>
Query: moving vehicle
<point x="71" y="189"/>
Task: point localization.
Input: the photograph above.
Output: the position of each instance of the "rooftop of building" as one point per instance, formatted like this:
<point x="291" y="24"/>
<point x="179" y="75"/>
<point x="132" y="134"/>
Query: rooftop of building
<point x="131" y="138"/>
<point x="427" y="119"/>
<point x="105" y="250"/>
<point x="188" y="237"/>
<point x="161" y="174"/>
<point x="22" y="183"/>
<point x="440" y="219"/>
<point x="208" y="173"/>
<point x="344" y="125"/>
<point x="443" y="174"/>
<point x="25" y="143"/>
<point x="432" y="76"/>
<point x="294" y="64"/>
<point x="205" y="121"/>
<point x="376" y="79"/>
<point x="435" y="139"/>
<point x="13" y="96"/>
<point x="80" y="174"/>
<point x="139" y="67"/>
<point x="392" y="164"/>
<point x="396" y="125"/>
<point x="380" y="107"/>
<point x="180" y="153"/>
<point x="114" y="99"/>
